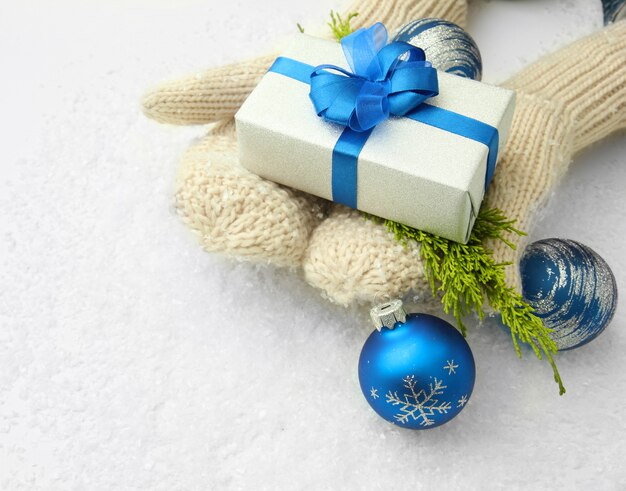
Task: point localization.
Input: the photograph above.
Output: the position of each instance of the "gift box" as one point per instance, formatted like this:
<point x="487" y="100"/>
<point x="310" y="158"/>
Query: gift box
<point x="428" y="169"/>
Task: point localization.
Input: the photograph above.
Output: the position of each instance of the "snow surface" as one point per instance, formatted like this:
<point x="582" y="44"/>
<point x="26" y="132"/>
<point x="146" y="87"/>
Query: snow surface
<point x="131" y="359"/>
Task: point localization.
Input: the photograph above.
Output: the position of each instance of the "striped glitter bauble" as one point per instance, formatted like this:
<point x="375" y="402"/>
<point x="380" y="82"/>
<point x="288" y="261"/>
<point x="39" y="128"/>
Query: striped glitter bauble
<point x="614" y="10"/>
<point x="447" y="46"/>
<point x="571" y="288"/>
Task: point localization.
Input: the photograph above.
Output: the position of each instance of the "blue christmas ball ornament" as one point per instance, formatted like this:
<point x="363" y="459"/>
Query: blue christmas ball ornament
<point x="416" y="370"/>
<point x="614" y="10"/>
<point x="447" y="46"/>
<point x="571" y="288"/>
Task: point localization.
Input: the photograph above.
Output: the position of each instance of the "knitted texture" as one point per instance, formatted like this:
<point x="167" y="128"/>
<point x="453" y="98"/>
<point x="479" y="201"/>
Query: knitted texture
<point x="237" y="212"/>
<point x="563" y="105"/>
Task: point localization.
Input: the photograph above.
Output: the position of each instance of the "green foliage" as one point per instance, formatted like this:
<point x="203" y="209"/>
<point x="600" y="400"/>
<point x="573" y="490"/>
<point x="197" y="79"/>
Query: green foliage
<point x="467" y="276"/>
<point x="340" y="27"/>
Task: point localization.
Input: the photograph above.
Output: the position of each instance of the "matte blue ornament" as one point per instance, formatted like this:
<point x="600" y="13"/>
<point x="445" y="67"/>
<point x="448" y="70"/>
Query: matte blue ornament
<point x="416" y="370"/>
<point x="613" y="10"/>
<point x="571" y="288"/>
<point x="447" y="46"/>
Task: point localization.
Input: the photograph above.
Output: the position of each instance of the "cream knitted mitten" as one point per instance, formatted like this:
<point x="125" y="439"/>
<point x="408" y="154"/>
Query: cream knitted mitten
<point x="230" y="209"/>
<point x="563" y="106"/>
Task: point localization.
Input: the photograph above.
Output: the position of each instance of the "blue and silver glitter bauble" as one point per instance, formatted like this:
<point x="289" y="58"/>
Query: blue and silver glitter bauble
<point x="571" y="288"/>
<point x="614" y="10"/>
<point x="447" y="46"/>
<point x="415" y="370"/>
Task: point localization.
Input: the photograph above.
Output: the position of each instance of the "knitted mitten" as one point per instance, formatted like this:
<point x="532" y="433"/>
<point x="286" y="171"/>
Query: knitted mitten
<point x="231" y="209"/>
<point x="562" y="106"/>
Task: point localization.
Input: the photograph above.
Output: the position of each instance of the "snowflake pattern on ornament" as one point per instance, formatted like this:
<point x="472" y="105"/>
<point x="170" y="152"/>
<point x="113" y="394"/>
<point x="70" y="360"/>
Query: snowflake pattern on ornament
<point x="419" y="405"/>
<point x="451" y="367"/>
<point x="462" y="401"/>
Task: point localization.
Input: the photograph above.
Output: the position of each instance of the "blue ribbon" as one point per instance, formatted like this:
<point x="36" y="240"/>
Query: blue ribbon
<point x="386" y="79"/>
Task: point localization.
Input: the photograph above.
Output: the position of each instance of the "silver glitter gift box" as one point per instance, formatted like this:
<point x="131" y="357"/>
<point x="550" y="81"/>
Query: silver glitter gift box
<point x="408" y="171"/>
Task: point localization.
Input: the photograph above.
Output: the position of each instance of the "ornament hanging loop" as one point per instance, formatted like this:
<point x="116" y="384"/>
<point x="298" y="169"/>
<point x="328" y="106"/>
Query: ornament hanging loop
<point x="387" y="314"/>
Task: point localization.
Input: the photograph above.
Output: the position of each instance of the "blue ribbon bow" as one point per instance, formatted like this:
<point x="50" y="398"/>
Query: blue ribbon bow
<point x="393" y="79"/>
<point x="385" y="79"/>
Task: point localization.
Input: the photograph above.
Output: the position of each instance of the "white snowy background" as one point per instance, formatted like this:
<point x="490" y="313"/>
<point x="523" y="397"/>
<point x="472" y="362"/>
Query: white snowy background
<point x="131" y="359"/>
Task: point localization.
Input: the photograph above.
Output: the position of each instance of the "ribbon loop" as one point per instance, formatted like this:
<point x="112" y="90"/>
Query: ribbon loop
<point x="386" y="79"/>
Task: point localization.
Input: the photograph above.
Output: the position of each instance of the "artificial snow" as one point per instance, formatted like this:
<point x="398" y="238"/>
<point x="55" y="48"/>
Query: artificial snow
<point x="131" y="359"/>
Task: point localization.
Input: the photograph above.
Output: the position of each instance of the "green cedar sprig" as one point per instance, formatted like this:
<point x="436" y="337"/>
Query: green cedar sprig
<point x="466" y="276"/>
<point x="340" y="27"/>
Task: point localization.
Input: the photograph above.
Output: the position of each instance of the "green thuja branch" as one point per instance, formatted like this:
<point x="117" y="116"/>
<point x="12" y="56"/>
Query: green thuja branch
<point x="340" y="27"/>
<point x="467" y="276"/>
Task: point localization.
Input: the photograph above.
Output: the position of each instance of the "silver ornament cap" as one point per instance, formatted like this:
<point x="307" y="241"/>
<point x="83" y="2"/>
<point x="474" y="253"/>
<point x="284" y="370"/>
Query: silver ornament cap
<point x="387" y="314"/>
